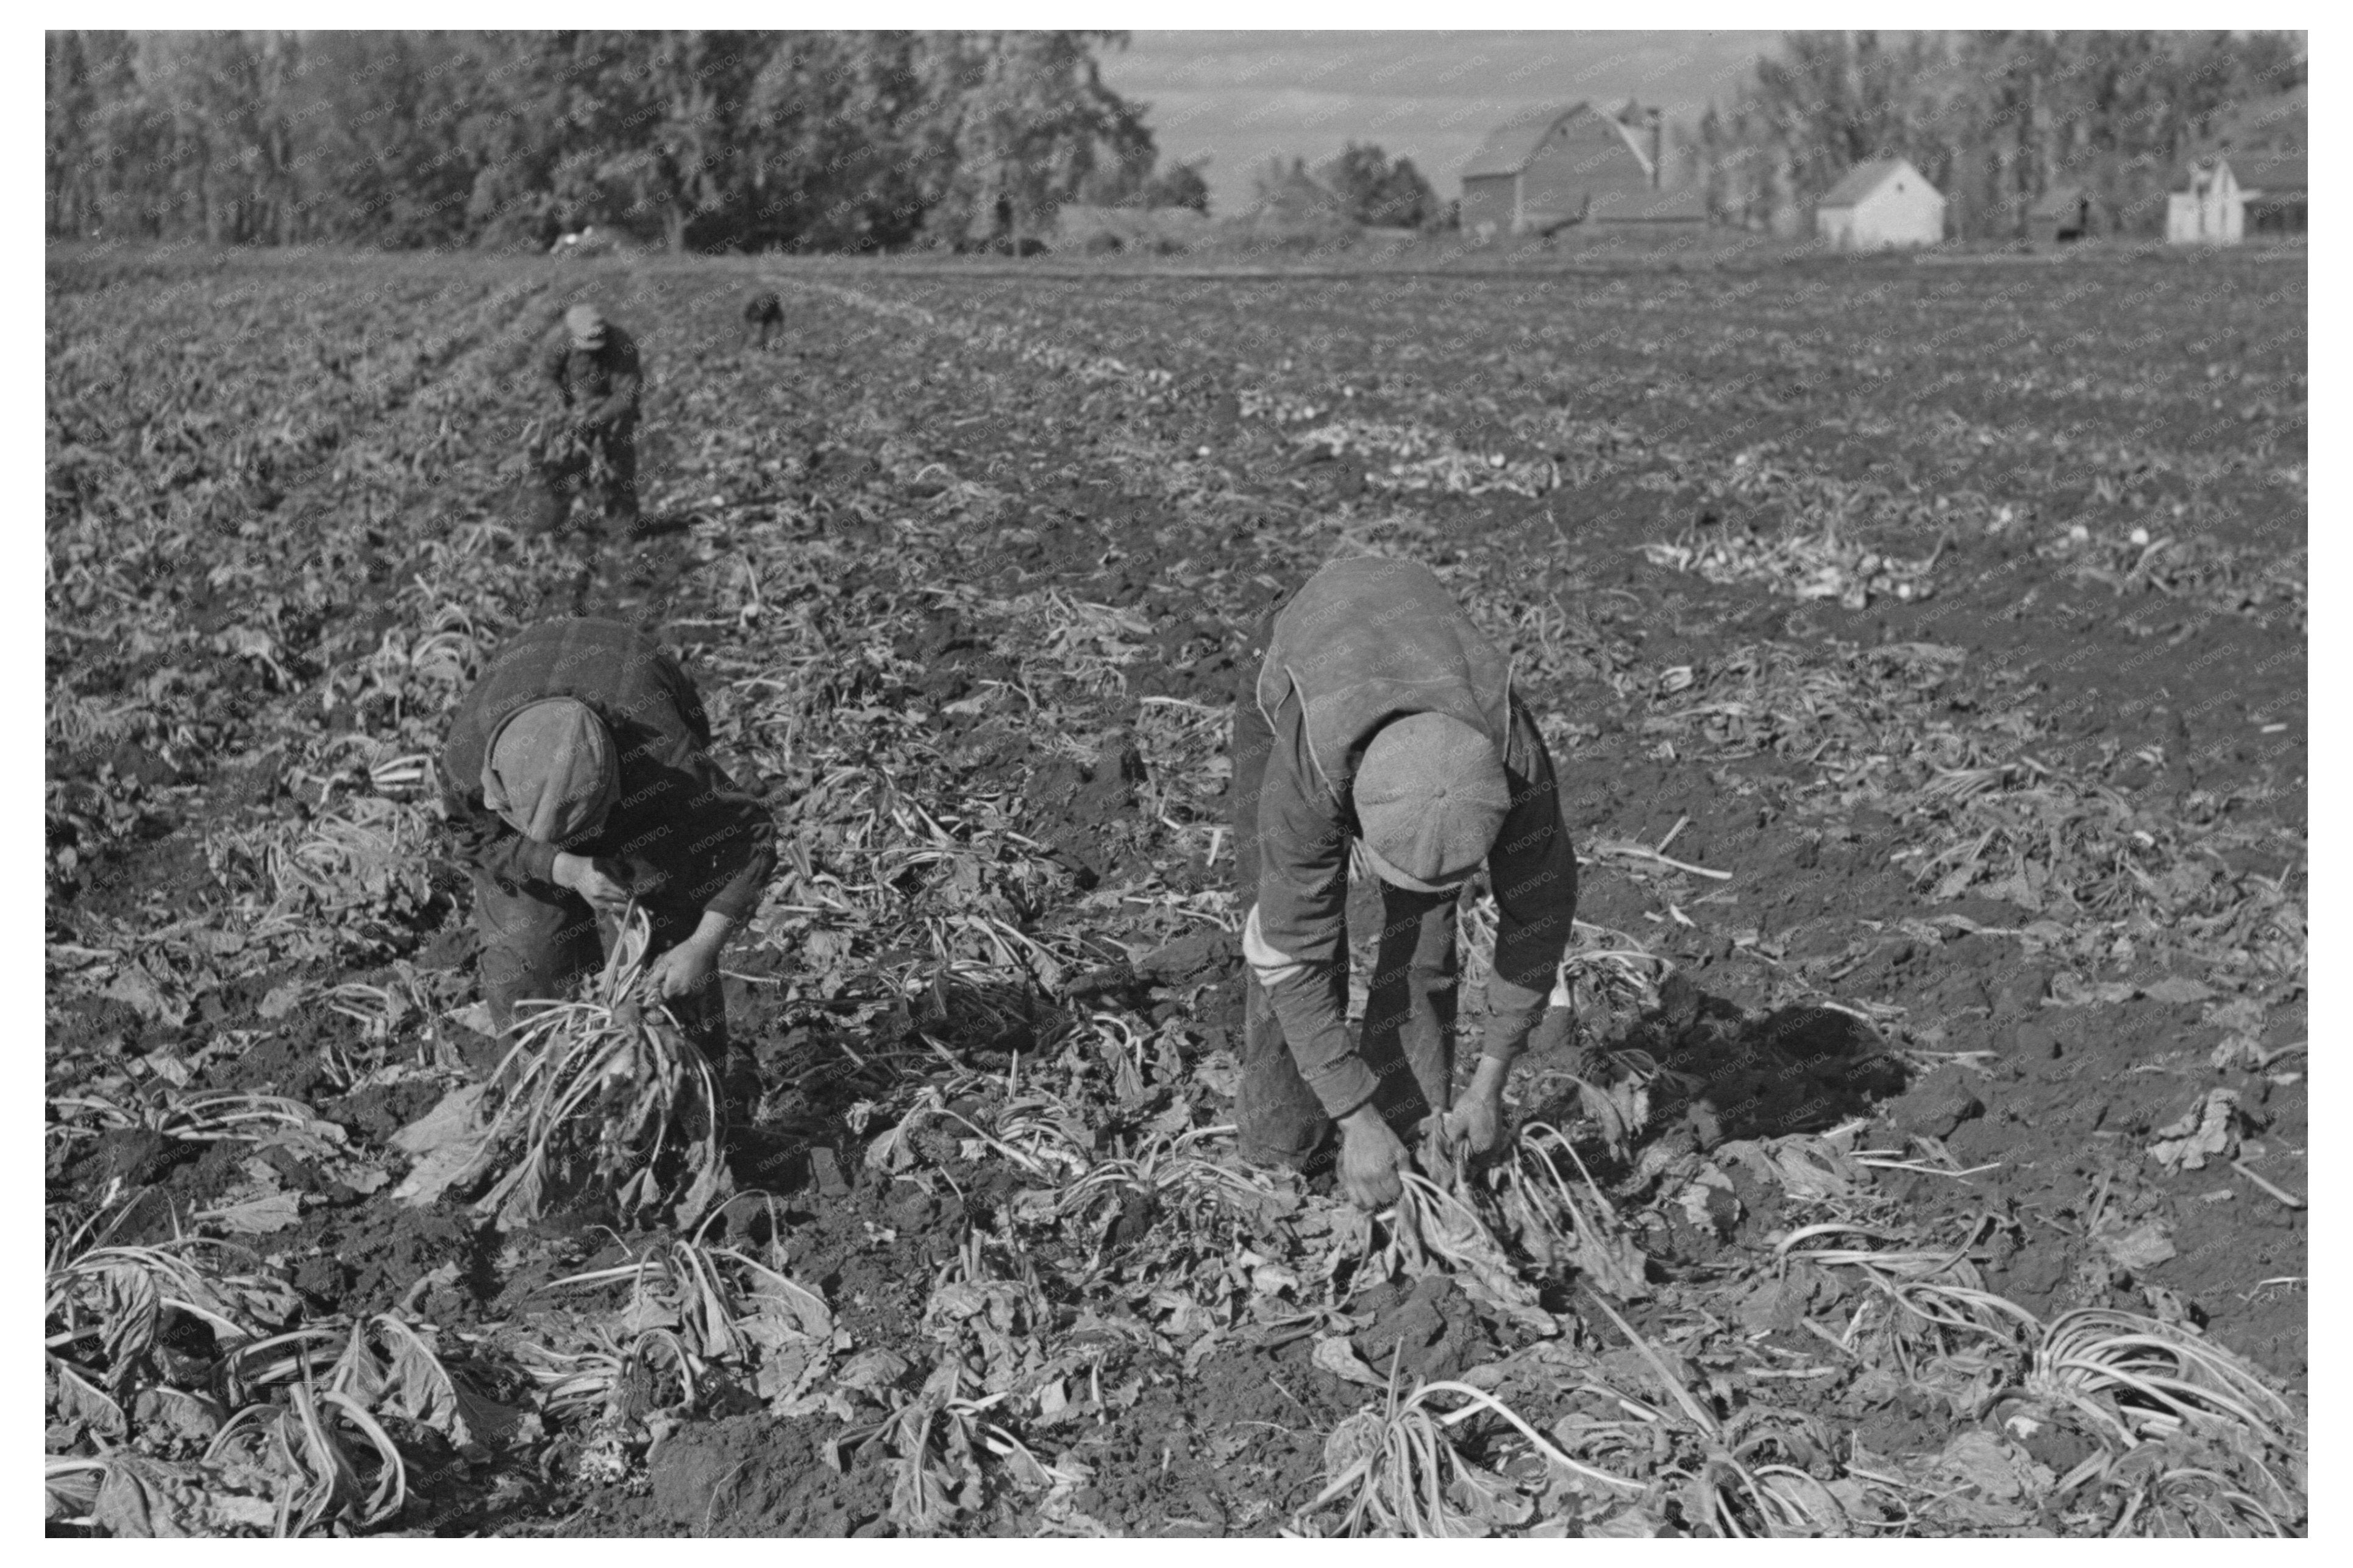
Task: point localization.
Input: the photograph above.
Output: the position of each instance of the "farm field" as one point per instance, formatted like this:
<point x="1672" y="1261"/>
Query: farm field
<point x="1923" y="651"/>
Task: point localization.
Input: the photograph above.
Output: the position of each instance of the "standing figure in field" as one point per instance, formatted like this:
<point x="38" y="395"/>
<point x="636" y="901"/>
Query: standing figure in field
<point x="577" y="777"/>
<point x="1381" y="727"/>
<point x="593" y="437"/>
<point x="763" y="313"/>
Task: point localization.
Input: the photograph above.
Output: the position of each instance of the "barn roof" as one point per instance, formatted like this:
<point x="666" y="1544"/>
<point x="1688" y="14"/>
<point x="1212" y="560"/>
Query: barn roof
<point x="1510" y="146"/>
<point x="1865" y="178"/>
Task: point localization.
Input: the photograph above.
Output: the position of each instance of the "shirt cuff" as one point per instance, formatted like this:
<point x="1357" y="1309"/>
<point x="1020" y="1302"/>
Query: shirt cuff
<point x="536" y="860"/>
<point x="1343" y="1086"/>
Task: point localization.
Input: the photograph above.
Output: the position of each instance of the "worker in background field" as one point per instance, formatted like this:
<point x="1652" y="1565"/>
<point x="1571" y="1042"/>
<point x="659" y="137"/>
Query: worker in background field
<point x="577" y="777"/>
<point x="763" y="314"/>
<point x="1381" y="726"/>
<point x="593" y="366"/>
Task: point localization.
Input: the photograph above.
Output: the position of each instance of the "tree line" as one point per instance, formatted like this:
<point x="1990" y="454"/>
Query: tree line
<point x="704" y="140"/>
<point x="1993" y="118"/>
<point x="1362" y="184"/>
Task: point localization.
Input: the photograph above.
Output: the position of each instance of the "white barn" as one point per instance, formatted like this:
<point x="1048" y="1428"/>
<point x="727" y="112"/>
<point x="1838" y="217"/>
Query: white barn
<point x="1883" y="203"/>
<point x="2207" y="208"/>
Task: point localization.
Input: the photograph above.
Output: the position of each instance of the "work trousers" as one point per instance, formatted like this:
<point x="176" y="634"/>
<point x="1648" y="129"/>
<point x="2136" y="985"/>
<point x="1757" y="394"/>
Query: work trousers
<point x="566" y="469"/>
<point x="1408" y="1034"/>
<point x="539" y="943"/>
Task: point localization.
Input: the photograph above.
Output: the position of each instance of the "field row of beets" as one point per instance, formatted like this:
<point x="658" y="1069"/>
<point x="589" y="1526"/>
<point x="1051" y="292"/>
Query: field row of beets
<point x="1957" y="617"/>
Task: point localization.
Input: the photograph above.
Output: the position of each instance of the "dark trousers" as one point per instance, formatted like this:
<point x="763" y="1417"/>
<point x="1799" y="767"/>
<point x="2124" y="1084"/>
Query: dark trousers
<point x="567" y="467"/>
<point x="1408" y="1037"/>
<point x="539" y="945"/>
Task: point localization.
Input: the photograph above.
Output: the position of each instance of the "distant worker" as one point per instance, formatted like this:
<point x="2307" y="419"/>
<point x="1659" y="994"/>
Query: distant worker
<point x="1381" y="727"/>
<point x="593" y="366"/>
<point x="577" y="776"/>
<point x="763" y="314"/>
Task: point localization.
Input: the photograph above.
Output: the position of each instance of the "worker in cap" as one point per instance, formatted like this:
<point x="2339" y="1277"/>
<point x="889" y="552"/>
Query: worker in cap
<point x="763" y="314"/>
<point x="577" y="777"/>
<point x="1379" y="731"/>
<point x="593" y="367"/>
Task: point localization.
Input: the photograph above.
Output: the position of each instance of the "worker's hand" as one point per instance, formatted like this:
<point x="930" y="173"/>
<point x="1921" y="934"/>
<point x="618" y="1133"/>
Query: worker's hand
<point x="1370" y="1160"/>
<point x="1476" y="1124"/>
<point x="681" y="971"/>
<point x="591" y="882"/>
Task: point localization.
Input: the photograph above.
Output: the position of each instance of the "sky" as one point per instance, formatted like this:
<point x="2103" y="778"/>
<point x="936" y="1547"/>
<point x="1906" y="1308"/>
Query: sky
<point x="1243" y="96"/>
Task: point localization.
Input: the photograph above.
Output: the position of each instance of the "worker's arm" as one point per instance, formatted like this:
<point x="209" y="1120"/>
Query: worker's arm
<point x="620" y="400"/>
<point x="1533" y="872"/>
<point x="682" y="970"/>
<point x="737" y="822"/>
<point x="692" y="830"/>
<point x="1296" y="937"/>
<point x="486" y="839"/>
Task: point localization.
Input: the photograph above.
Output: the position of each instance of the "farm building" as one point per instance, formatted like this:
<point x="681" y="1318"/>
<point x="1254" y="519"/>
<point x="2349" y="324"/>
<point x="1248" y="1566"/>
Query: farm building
<point x="2247" y="176"/>
<point x="2206" y="207"/>
<point x="2271" y="194"/>
<point x="1883" y="203"/>
<point x="2064" y="213"/>
<point x="1299" y="195"/>
<point x="2217" y="203"/>
<point x="1565" y="165"/>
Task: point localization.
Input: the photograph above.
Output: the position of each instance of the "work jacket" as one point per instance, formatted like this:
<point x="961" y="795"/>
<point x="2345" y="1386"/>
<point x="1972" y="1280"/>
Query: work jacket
<point x="600" y="384"/>
<point x="1368" y="641"/>
<point x="681" y="832"/>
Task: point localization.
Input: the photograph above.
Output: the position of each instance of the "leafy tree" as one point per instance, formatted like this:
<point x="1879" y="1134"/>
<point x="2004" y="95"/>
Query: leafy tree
<point x="1374" y="190"/>
<point x="1275" y="178"/>
<point x="1136" y="183"/>
<point x="1026" y="121"/>
<point x="1992" y="118"/>
<point x="1180" y="185"/>
<point x="703" y="138"/>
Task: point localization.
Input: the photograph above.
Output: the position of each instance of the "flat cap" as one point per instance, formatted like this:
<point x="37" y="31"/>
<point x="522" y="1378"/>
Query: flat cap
<point x="551" y="772"/>
<point x="1430" y="797"/>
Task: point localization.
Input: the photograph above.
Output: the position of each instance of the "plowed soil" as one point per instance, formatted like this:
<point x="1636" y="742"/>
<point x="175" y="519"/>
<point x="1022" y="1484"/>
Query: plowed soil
<point x="2006" y="446"/>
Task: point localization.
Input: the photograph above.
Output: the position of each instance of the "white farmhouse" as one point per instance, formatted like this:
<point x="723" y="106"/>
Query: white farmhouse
<point x="1883" y="203"/>
<point x="2213" y="205"/>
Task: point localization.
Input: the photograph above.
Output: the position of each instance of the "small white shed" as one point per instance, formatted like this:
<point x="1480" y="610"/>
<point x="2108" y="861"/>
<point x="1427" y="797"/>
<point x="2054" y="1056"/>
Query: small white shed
<point x="1883" y="203"/>
<point x="2207" y="207"/>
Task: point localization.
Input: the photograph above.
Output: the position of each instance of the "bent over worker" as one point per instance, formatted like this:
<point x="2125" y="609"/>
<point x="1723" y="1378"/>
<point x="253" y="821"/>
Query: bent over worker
<point x="1380" y="725"/>
<point x="577" y="777"/>
<point x="593" y="367"/>
<point x="763" y="313"/>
